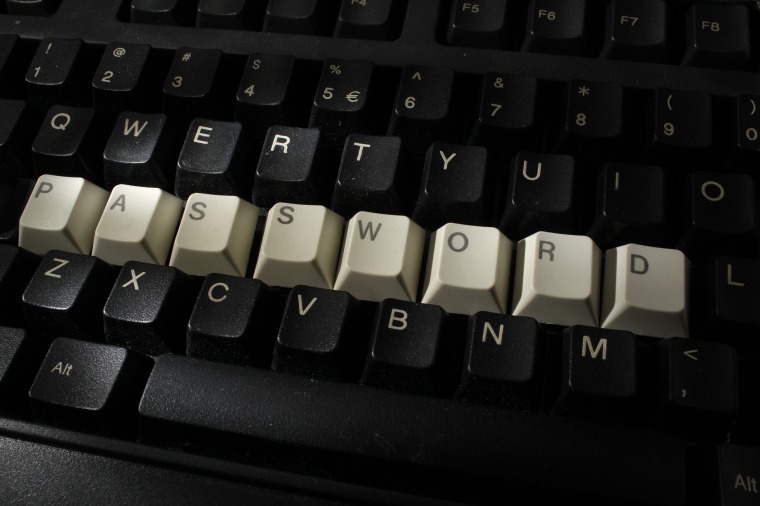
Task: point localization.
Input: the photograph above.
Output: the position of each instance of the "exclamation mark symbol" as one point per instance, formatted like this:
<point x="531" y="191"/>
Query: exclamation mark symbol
<point x="50" y="44"/>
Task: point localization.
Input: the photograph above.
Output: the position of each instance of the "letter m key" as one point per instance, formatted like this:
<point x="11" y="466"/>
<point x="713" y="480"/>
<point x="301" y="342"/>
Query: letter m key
<point x="588" y="347"/>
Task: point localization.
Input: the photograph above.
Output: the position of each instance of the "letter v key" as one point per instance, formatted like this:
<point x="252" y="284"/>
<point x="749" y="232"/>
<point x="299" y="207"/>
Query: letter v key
<point x="301" y="310"/>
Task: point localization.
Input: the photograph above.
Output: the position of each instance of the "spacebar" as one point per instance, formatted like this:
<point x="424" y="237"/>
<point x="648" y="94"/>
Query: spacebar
<point x="382" y="429"/>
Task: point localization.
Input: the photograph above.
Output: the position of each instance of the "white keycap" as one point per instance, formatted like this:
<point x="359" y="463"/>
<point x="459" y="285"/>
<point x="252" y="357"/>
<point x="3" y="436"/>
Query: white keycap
<point x="215" y="235"/>
<point x="138" y="223"/>
<point x="62" y="213"/>
<point x="300" y="246"/>
<point x="646" y="291"/>
<point x="381" y="257"/>
<point x="557" y="279"/>
<point x="468" y="269"/>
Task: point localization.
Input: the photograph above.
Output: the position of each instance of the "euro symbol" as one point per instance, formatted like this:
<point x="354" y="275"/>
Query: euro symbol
<point x="353" y="97"/>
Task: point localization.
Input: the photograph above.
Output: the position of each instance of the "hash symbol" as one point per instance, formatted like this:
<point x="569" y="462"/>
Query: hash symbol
<point x="186" y="56"/>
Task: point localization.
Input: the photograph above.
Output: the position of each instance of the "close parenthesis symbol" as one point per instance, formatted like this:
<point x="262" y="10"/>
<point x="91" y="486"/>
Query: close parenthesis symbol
<point x="754" y="107"/>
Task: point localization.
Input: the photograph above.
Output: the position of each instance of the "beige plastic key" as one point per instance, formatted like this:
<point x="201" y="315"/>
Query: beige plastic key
<point x="381" y="257"/>
<point x="300" y="246"/>
<point x="138" y="223"/>
<point x="468" y="269"/>
<point x="215" y="235"/>
<point x="557" y="279"/>
<point x="646" y="291"/>
<point x="62" y="213"/>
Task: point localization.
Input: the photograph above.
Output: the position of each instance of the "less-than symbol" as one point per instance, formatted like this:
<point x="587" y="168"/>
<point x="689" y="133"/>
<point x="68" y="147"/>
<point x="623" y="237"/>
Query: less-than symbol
<point x="692" y="354"/>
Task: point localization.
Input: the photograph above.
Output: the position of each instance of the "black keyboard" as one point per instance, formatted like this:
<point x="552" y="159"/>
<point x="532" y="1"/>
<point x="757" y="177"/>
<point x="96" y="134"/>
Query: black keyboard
<point x="379" y="252"/>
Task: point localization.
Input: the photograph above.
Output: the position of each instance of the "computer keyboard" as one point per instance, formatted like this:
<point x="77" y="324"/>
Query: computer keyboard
<point x="379" y="252"/>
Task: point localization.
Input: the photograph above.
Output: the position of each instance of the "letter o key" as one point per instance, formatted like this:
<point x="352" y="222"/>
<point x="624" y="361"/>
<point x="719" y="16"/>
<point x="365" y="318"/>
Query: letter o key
<point x="464" y="243"/>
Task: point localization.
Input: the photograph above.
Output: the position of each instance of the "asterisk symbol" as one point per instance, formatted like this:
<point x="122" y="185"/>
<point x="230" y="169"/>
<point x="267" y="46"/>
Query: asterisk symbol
<point x="583" y="90"/>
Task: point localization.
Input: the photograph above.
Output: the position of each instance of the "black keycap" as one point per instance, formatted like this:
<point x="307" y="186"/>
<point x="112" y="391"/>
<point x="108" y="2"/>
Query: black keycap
<point x="630" y="206"/>
<point x="502" y="361"/>
<point x="738" y="474"/>
<point x="405" y="348"/>
<point x="539" y="195"/>
<point x="13" y="197"/>
<point x="341" y="102"/>
<point x="141" y="151"/>
<point x="290" y="169"/>
<point x="233" y="14"/>
<point x="699" y="387"/>
<point x="371" y="177"/>
<point x="376" y="19"/>
<point x="745" y="133"/>
<point x="384" y="434"/>
<point x="32" y="7"/>
<point x="20" y="356"/>
<point x="555" y="26"/>
<point x="66" y="295"/>
<point x="679" y="126"/>
<point x="161" y="12"/>
<point x="234" y="320"/>
<point x="478" y="24"/>
<point x="635" y="30"/>
<point x="720" y="216"/>
<point x="120" y="82"/>
<point x="717" y="36"/>
<point x="189" y="86"/>
<point x="599" y="374"/>
<point x="309" y="17"/>
<point x="592" y="121"/>
<point x="421" y="107"/>
<point x="264" y="95"/>
<point x="727" y="290"/>
<point x="506" y="113"/>
<point x="13" y="57"/>
<point x="89" y="384"/>
<point x="55" y="75"/>
<point x="148" y="308"/>
<point x="17" y="266"/>
<point x="70" y="142"/>
<point x="316" y="337"/>
<point x="17" y="129"/>
<point x="454" y="187"/>
<point x="214" y="159"/>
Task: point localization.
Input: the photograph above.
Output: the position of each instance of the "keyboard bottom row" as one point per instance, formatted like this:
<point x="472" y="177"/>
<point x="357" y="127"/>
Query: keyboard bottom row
<point x="348" y="433"/>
